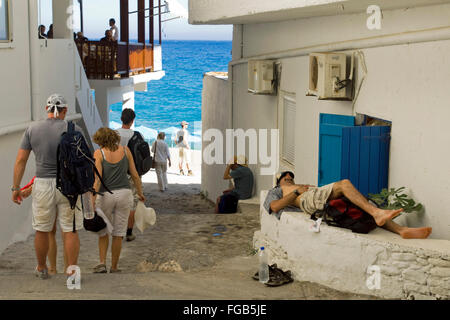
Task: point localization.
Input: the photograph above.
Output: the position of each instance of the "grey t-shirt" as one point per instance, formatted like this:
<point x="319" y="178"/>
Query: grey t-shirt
<point x="276" y="194"/>
<point x="43" y="138"/>
<point x="243" y="182"/>
<point x="125" y="135"/>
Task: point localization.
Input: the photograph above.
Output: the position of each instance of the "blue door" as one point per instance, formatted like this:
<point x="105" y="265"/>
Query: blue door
<point x="357" y="153"/>
<point x="330" y="146"/>
<point x="365" y="157"/>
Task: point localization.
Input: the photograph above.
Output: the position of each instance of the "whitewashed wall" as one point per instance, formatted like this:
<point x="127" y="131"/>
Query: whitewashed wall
<point x="54" y="74"/>
<point x="216" y="114"/>
<point x="15" y="106"/>
<point x="408" y="84"/>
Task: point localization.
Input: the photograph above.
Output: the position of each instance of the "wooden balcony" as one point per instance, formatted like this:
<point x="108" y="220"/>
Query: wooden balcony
<point x="111" y="60"/>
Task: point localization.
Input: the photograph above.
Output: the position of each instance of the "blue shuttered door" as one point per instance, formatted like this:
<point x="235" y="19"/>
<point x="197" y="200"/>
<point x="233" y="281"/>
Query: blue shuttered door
<point x="357" y="153"/>
<point x="330" y="146"/>
<point x="365" y="161"/>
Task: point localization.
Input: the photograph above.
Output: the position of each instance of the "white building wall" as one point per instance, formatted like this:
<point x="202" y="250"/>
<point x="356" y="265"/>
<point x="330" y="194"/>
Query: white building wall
<point x="216" y="115"/>
<point x="407" y="84"/>
<point x="54" y="73"/>
<point x="15" y="106"/>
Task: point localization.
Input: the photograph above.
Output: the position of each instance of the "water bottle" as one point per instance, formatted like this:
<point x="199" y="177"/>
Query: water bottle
<point x="88" y="211"/>
<point x="263" y="266"/>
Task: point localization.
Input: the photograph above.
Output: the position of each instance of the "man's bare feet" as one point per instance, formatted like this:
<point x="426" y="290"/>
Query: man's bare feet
<point x="382" y="216"/>
<point x="415" y="233"/>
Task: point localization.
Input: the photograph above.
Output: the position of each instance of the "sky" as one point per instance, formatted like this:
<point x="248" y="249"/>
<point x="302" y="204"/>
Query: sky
<point x="98" y="12"/>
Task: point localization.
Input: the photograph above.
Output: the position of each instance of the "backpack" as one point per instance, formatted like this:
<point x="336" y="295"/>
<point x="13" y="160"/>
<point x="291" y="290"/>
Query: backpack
<point x="140" y="150"/>
<point x="75" y="166"/>
<point x="344" y="214"/>
<point x="228" y="203"/>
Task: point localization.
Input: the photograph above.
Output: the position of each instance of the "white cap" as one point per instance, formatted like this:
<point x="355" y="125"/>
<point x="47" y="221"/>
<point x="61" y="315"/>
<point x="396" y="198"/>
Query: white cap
<point x="56" y="101"/>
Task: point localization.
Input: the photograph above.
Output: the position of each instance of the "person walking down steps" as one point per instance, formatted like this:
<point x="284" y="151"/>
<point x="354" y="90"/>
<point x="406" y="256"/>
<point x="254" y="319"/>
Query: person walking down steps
<point x="161" y="153"/>
<point x="182" y="141"/>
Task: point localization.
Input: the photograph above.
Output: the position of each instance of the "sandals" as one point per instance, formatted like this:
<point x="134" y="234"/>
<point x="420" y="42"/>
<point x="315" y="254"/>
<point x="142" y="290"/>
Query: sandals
<point x="114" y="271"/>
<point x="277" y="277"/>
<point x="182" y="172"/>
<point x="101" y="268"/>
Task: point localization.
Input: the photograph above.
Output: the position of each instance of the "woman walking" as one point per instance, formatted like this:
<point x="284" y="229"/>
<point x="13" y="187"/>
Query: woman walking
<point x="161" y="153"/>
<point x="113" y="162"/>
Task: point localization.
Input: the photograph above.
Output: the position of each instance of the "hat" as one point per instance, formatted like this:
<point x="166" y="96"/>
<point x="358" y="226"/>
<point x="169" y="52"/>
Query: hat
<point x="282" y="175"/>
<point x="184" y="123"/>
<point x="241" y="160"/>
<point x="144" y="216"/>
<point x="56" y="101"/>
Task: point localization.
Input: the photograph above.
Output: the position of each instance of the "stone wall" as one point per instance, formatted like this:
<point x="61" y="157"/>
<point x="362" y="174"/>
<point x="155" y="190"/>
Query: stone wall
<point x="340" y="259"/>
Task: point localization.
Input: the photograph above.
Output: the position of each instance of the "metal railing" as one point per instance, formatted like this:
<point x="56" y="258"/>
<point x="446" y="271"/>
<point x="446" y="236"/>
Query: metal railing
<point x="112" y="60"/>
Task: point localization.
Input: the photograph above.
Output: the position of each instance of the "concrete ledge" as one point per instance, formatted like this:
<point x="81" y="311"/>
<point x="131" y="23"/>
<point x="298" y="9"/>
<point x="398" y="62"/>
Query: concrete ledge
<point x="338" y="258"/>
<point x="254" y="200"/>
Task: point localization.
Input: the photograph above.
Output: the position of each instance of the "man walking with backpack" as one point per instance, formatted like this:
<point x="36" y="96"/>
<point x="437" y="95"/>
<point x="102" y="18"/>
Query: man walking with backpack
<point x="43" y="138"/>
<point x="127" y="134"/>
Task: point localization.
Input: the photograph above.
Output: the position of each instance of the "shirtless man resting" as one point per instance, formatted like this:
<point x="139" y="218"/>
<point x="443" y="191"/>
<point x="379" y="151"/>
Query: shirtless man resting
<point x="309" y="199"/>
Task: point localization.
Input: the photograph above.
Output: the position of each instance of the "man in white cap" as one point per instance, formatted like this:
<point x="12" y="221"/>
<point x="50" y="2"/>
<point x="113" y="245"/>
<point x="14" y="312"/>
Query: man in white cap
<point x="43" y="138"/>
<point x="182" y="141"/>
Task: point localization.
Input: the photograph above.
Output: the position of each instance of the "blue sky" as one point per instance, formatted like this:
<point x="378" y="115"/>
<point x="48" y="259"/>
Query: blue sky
<point x="98" y="12"/>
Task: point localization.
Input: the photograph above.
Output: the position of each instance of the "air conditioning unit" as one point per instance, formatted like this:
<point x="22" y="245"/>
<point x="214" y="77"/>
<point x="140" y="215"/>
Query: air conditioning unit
<point x="328" y="76"/>
<point x="261" y="77"/>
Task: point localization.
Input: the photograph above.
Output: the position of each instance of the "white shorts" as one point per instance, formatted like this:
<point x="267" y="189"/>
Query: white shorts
<point x="116" y="208"/>
<point x="49" y="201"/>
<point x="184" y="155"/>
<point x="315" y="198"/>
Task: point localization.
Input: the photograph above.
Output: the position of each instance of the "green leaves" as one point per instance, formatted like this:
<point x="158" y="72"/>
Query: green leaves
<point x="395" y="199"/>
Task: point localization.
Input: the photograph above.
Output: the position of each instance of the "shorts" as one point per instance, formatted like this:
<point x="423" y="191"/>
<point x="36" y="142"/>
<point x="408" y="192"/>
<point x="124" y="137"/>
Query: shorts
<point x="315" y="198"/>
<point x="134" y="193"/>
<point x="48" y="202"/>
<point x="184" y="154"/>
<point x="116" y="208"/>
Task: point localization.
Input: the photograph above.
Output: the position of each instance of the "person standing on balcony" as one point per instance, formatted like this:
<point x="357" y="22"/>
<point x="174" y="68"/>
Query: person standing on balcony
<point x="114" y="29"/>
<point x="43" y="139"/>
<point x="161" y="153"/>
<point x="182" y="141"/>
<point x="126" y="133"/>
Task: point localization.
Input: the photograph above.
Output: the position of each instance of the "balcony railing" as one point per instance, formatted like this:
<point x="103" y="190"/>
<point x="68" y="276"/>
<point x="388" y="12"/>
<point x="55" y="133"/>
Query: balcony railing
<point x="112" y="60"/>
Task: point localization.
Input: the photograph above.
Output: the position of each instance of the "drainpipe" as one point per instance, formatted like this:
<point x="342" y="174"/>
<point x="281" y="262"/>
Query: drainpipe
<point x="34" y="56"/>
<point x="238" y="54"/>
<point x="408" y="37"/>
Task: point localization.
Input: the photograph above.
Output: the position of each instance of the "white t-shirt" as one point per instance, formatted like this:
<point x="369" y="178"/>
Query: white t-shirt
<point x="115" y="33"/>
<point x="161" y="151"/>
<point x="185" y="134"/>
<point x="125" y="135"/>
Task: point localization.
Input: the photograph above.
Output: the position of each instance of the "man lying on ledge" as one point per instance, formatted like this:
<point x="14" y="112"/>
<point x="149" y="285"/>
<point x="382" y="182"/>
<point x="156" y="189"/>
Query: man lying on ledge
<point x="294" y="197"/>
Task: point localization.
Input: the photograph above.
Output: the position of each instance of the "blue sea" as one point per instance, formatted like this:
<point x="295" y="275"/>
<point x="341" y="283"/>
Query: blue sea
<point x="178" y="95"/>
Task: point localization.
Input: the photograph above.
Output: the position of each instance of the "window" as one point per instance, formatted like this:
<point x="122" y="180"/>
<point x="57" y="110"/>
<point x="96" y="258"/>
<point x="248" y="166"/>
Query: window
<point x="288" y="144"/>
<point x="4" y="21"/>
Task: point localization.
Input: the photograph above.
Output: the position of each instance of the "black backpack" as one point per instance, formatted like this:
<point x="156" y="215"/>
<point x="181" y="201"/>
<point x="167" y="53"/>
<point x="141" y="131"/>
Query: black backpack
<point x="344" y="214"/>
<point x="140" y="150"/>
<point x="228" y="203"/>
<point x="75" y="166"/>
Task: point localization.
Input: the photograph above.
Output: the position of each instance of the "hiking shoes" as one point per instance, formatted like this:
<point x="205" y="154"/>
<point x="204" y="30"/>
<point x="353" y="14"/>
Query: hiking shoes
<point x="43" y="274"/>
<point x="182" y="172"/>
<point x="131" y="237"/>
<point x="190" y="173"/>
